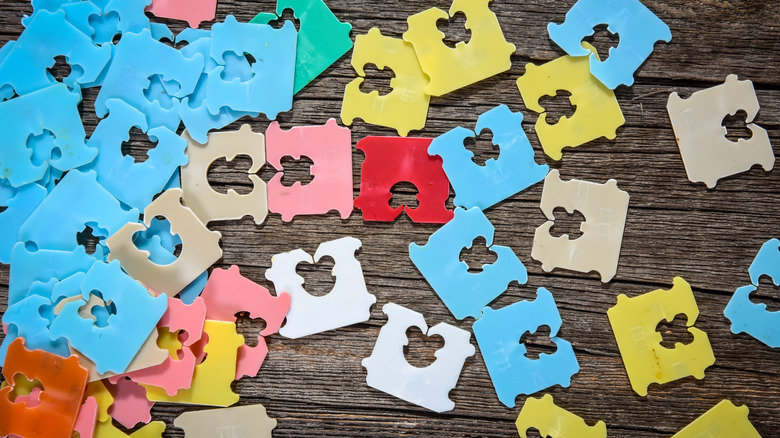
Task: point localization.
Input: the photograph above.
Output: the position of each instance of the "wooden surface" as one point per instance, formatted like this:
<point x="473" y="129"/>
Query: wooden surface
<point x="315" y="386"/>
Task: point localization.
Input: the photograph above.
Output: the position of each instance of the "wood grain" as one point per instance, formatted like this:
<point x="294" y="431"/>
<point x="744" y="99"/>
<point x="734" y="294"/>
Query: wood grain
<point x="315" y="386"/>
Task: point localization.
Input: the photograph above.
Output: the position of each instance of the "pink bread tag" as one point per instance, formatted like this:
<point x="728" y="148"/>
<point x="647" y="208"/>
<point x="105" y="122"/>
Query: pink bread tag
<point x="130" y="403"/>
<point x="329" y="146"/>
<point x="228" y="292"/>
<point x="191" y="11"/>
<point x="85" y="422"/>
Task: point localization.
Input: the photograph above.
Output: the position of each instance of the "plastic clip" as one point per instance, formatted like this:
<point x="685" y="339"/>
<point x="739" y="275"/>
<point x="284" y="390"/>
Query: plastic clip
<point x="553" y="421"/>
<point x="248" y="421"/>
<point x="192" y="11"/>
<point x="722" y="420"/>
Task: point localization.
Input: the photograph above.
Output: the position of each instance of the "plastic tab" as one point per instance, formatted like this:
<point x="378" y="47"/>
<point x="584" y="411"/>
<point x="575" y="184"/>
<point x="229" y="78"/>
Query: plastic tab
<point x="634" y="321"/>
<point x="553" y="421"/>
<point x="767" y="262"/>
<point x="248" y="421"/>
<point x="192" y="11"/>
<point x="722" y="420"/>
<point x="18" y="209"/>
<point x="429" y="387"/>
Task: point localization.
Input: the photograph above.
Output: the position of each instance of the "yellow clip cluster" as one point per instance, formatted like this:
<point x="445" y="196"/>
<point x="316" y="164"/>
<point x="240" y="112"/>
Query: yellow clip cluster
<point x="553" y="421"/>
<point x="212" y="378"/>
<point x="634" y="322"/>
<point x="406" y="107"/>
<point x="723" y="420"/>
<point x="597" y="111"/>
<point x="485" y="55"/>
<point x="104" y="427"/>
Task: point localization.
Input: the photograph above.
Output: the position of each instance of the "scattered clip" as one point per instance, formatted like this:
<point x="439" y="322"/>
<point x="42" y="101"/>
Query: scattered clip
<point x="192" y="11"/>
<point x="63" y="383"/>
<point x="597" y="112"/>
<point x="498" y="334"/>
<point x="104" y="428"/>
<point x="638" y="27"/>
<point x="722" y="420"/>
<point x="429" y="387"/>
<point x="134" y="183"/>
<point x="200" y="247"/>
<point x="554" y="421"/>
<point x="207" y="203"/>
<point x="513" y="171"/>
<point x="49" y="34"/>
<point x="347" y="303"/>
<point x="228" y="293"/>
<point x="466" y="293"/>
<point x="85" y="421"/>
<point x="26" y="319"/>
<point x="405" y="108"/>
<point x="698" y="124"/>
<point x="212" y="378"/>
<point x="49" y="112"/>
<point x="754" y="318"/>
<point x="390" y="160"/>
<point x="486" y="54"/>
<point x="329" y="146"/>
<point x="76" y="202"/>
<point x="250" y="421"/>
<point x="269" y="90"/>
<point x="176" y="371"/>
<point x="605" y="208"/>
<point x="322" y="38"/>
<point x="634" y="322"/>
<point x="18" y="209"/>
<point x="130" y="405"/>
<point x="113" y="346"/>
<point x="129" y="75"/>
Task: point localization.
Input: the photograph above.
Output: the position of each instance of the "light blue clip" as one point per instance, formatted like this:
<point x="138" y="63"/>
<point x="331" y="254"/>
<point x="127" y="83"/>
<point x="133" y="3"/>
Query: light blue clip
<point x="76" y="202"/>
<point x="767" y="262"/>
<point x="113" y="346"/>
<point x="80" y="14"/>
<point x="134" y="183"/>
<point x="49" y="35"/>
<point x="29" y="267"/>
<point x="753" y="318"/>
<point x="639" y="29"/>
<point x="132" y="16"/>
<point x="484" y="186"/>
<point x="193" y="111"/>
<point x="25" y="319"/>
<point x="270" y="89"/>
<point x="137" y="57"/>
<point x="463" y="292"/>
<point x="20" y="207"/>
<point x="498" y="334"/>
<point x="52" y="110"/>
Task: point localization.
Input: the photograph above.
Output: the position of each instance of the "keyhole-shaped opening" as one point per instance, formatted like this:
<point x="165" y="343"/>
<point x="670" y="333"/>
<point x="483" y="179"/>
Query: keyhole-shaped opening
<point x="224" y="175"/>
<point x="567" y="224"/>
<point x="404" y="194"/>
<point x="538" y="342"/>
<point x="138" y="145"/>
<point x="170" y="341"/>
<point x="156" y="92"/>
<point x="558" y="106"/>
<point x="482" y="147"/>
<point x="318" y="277"/>
<point x="454" y="30"/>
<point x="249" y="327"/>
<point x="375" y="79"/>
<point x="420" y="349"/>
<point x="60" y="69"/>
<point x="478" y="255"/>
<point x="766" y="293"/>
<point x="296" y="170"/>
<point x="238" y="66"/>
<point x="199" y="349"/>
<point x="87" y="239"/>
<point x="25" y="390"/>
<point x="287" y="15"/>
<point x="43" y="148"/>
<point x="533" y="432"/>
<point x="674" y="332"/>
<point x="736" y="126"/>
<point x="602" y="40"/>
<point x="98" y="310"/>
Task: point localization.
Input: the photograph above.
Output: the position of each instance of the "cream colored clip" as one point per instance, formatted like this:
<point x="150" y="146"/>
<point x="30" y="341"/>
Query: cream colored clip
<point x="348" y="303"/>
<point x="634" y="322"/>
<point x="486" y="54"/>
<point x="197" y="193"/>
<point x="604" y="206"/>
<point x="722" y="420"/>
<point x="698" y="124"/>
<point x="428" y="387"/>
<point x="553" y="421"/>
<point x="250" y="421"/>
<point x="597" y="112"/>
<point x="406" y="107"/>
<point x="200" y="247"/>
